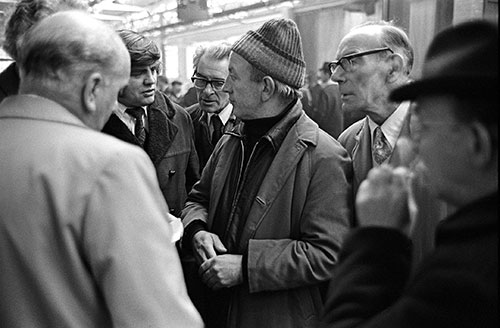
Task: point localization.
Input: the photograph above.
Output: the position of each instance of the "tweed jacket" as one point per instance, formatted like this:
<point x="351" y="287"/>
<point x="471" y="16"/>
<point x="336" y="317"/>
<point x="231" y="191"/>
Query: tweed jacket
<point x="295" y="227"/>
<point x="170" y="145"/>
<point x="74" y="250"/>
<point x="455" y="286"/>
<point x="357" y="140"/>
<point x="202" y="139"/>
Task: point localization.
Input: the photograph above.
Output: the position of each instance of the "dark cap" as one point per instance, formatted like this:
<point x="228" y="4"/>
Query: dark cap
<point x="461" y="60"/>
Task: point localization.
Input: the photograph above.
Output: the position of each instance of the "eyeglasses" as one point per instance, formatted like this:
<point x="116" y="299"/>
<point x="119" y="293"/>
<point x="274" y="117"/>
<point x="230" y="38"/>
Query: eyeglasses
<point x="346" y="63"/>
<point x="201" y="83"/>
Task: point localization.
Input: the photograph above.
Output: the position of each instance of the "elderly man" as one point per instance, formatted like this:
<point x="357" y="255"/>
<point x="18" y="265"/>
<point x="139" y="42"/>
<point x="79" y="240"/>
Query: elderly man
<point x="372" y="60"/>
<point x="213" y="114"/>
<point x="84" y="241"/>
<point x="268" y="216"/>
<point x="456" y="115"/>
<point x="147" y="118"/>
<point x="26" y="14"/>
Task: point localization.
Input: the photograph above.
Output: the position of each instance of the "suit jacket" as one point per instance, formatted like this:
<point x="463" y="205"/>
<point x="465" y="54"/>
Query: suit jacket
<point x="329" y="113"/>
<point x="456" y="286"/>
<point x="357" y="140"/>
<point x="76" y="250"/>
<point x="202" y="138"/>
<point x="295" y="226"/>
<point x="170" y="145"/>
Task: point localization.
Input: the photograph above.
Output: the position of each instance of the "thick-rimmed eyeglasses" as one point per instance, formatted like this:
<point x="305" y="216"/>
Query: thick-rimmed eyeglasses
<point x="346" y="63"/>
<point x="201" y="83"/>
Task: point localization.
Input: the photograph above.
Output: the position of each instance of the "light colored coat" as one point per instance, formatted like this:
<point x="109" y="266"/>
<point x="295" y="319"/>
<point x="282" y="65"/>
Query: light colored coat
<point x="294" y="229"/>
<point x="84" y="240"/>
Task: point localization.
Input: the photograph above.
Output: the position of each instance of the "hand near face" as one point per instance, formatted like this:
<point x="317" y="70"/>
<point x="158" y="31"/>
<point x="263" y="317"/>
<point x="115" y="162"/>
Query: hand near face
<point x="222" y="271"/>
<point x="206" y="245"/>
<point x="382" y="199"/>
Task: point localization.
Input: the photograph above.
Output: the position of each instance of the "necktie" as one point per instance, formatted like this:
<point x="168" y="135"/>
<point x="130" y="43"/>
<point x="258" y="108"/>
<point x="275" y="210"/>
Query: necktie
<point x="381" y="148"/>
<point x="217" y="128"/>
<point x="140" y="131"/>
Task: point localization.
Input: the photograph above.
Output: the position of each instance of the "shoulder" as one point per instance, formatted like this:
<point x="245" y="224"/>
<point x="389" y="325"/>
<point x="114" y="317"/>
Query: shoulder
<point x="352" y="131"/>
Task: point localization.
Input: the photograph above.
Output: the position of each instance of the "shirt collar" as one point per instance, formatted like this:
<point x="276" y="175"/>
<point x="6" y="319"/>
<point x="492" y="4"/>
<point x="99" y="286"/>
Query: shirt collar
<point x="392" y="126"/>
<point x="224" y="114"/>
<point x="121" y="108"/>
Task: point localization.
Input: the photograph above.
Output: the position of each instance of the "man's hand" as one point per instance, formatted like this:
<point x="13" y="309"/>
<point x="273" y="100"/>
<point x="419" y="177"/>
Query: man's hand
<point x="382" y="199"/>
<point x="222" y="271"/>
<point x="206" y="245"/>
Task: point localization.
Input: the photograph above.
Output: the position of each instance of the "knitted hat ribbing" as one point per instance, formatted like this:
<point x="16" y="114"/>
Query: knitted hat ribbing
<point x="275" y="49"/>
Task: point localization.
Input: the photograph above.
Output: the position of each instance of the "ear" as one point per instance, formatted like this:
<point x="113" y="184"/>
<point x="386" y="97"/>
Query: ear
<point x="91" y="89"/>
<point x="268" y="88"/>
<point x="482" y="152"/>
<point x="396" y="67"/>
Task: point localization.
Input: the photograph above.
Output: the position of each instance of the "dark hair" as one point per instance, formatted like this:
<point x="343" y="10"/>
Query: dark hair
<point x="143" y="51"/>
<point x="395" y="38"/>
<point x="29" y="12"/>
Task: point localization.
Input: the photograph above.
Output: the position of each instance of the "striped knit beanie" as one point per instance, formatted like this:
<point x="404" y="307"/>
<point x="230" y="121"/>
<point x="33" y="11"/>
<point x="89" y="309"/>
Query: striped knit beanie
<point x="275" y="49"/>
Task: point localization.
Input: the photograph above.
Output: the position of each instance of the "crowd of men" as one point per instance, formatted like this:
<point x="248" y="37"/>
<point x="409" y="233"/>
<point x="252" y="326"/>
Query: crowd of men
<point x="121" y="208"/>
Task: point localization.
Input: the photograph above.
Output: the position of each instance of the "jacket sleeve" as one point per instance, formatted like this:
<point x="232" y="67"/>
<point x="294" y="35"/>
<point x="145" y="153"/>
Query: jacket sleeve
<point x="127" y="244"/>
<point x="193" y="166"/>
<point x="309" y="254"/>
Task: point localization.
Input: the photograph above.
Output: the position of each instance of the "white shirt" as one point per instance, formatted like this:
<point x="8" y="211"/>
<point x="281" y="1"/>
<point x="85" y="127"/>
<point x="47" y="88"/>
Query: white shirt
<point x="129" y="120"/>
<point x="392" y="126"/>
<point x="224" y="116"/>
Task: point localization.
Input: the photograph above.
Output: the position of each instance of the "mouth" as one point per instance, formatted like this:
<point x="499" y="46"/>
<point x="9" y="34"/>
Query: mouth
<point x="149" y="93"/>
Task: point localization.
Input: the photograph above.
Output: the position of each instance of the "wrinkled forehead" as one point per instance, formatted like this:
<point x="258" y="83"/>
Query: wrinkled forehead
<point x="360" y="39"/>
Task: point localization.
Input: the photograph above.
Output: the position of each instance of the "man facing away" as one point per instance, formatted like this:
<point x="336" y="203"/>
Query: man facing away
<point x="84" y="240"/>
<point x="456" y="285"/>
<point x="147" y="118"/>
<point x="213" y="114"/>
<point x="372" y="60"/>
<point x="266" y="219"/>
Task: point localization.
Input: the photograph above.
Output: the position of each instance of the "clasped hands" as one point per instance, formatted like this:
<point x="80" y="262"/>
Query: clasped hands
<point x="383" y="199"/>
<point x="217" y="269"/>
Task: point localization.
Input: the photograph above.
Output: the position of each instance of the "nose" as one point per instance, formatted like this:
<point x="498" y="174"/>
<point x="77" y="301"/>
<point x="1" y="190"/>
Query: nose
<point x="150" y="77"/>
<point x="209" y="89"/>
<point x="227" y="87"/>
<point x="338" y="75"/>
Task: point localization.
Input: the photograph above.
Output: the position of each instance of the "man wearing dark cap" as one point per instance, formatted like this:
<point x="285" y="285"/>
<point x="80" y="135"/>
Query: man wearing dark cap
<point x="147" y="118"/>
<point x="456" y="116"/>
<point x="266" y="219"/>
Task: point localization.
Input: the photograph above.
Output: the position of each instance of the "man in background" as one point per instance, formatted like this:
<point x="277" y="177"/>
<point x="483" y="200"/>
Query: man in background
<point x="84" y="240"/>
<point x="329" y="107"/>
<point x="26" y="13"/>
<point x="146" y="118"/>
<point x="213" y="114"/>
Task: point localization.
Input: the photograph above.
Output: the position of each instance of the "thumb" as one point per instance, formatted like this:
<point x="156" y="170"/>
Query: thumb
<point x="219" y="247"/>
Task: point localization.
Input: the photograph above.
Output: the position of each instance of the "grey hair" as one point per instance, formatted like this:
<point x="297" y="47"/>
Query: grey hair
<point x="217" y="51"/>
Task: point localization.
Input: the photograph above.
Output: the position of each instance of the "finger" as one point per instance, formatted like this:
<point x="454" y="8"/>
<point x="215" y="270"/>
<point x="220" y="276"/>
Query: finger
<point x="380" y="174"/>
<point x="218" y="245"/>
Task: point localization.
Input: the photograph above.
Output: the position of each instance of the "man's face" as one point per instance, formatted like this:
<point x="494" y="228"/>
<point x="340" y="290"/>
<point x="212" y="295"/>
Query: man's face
<point x="364" y="87"/>
<point x="212" y="101"/>
<point x="439" y="136"/>
<point x="140" y="90"/>
<point x="244" y="94"/>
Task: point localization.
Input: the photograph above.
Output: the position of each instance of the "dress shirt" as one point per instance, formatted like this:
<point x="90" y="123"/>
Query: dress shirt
<point x="224" y="116"/>
<point x="392" y="126"/>
<point x="129" y="120"/>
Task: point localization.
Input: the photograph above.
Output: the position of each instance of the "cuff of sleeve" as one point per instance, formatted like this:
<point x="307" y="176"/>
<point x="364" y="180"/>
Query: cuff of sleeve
<point x="190" y="231"/>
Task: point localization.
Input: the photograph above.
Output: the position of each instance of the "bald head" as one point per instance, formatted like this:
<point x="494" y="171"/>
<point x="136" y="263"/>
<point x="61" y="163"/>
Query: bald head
<point x="76" y="60"/>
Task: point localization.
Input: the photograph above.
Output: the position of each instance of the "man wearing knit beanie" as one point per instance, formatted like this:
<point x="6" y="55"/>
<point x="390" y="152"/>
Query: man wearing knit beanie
<point x="266" y="219"/>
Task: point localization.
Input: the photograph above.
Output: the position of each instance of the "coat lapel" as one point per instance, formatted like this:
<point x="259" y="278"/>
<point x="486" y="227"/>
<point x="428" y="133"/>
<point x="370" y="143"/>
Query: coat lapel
<point x="117" y="128"/>
<point x="401" y="156"/>
<point x="162" y="130"/>
<point x="362" y="155"/>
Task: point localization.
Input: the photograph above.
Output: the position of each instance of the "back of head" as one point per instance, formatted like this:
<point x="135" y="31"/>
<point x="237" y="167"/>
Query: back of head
<point x="142" y="50"/>
<point x="62" y="50"/>
<point x="216" y="51"/>
<point x="27" y="13"/>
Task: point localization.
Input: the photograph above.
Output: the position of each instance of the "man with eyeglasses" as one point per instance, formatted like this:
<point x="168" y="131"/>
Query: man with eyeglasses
<point x="147" y="118"/>
<point x="213" y="114"/>
<point x="456" y="285"/>
<point x="372" y="60"/>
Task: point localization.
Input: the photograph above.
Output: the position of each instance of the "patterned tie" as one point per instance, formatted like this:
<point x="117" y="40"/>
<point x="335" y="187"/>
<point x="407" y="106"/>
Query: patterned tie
<point x="217" y="128"/>
<point x="381" y="148"/>
<point x="140" y="131"/>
